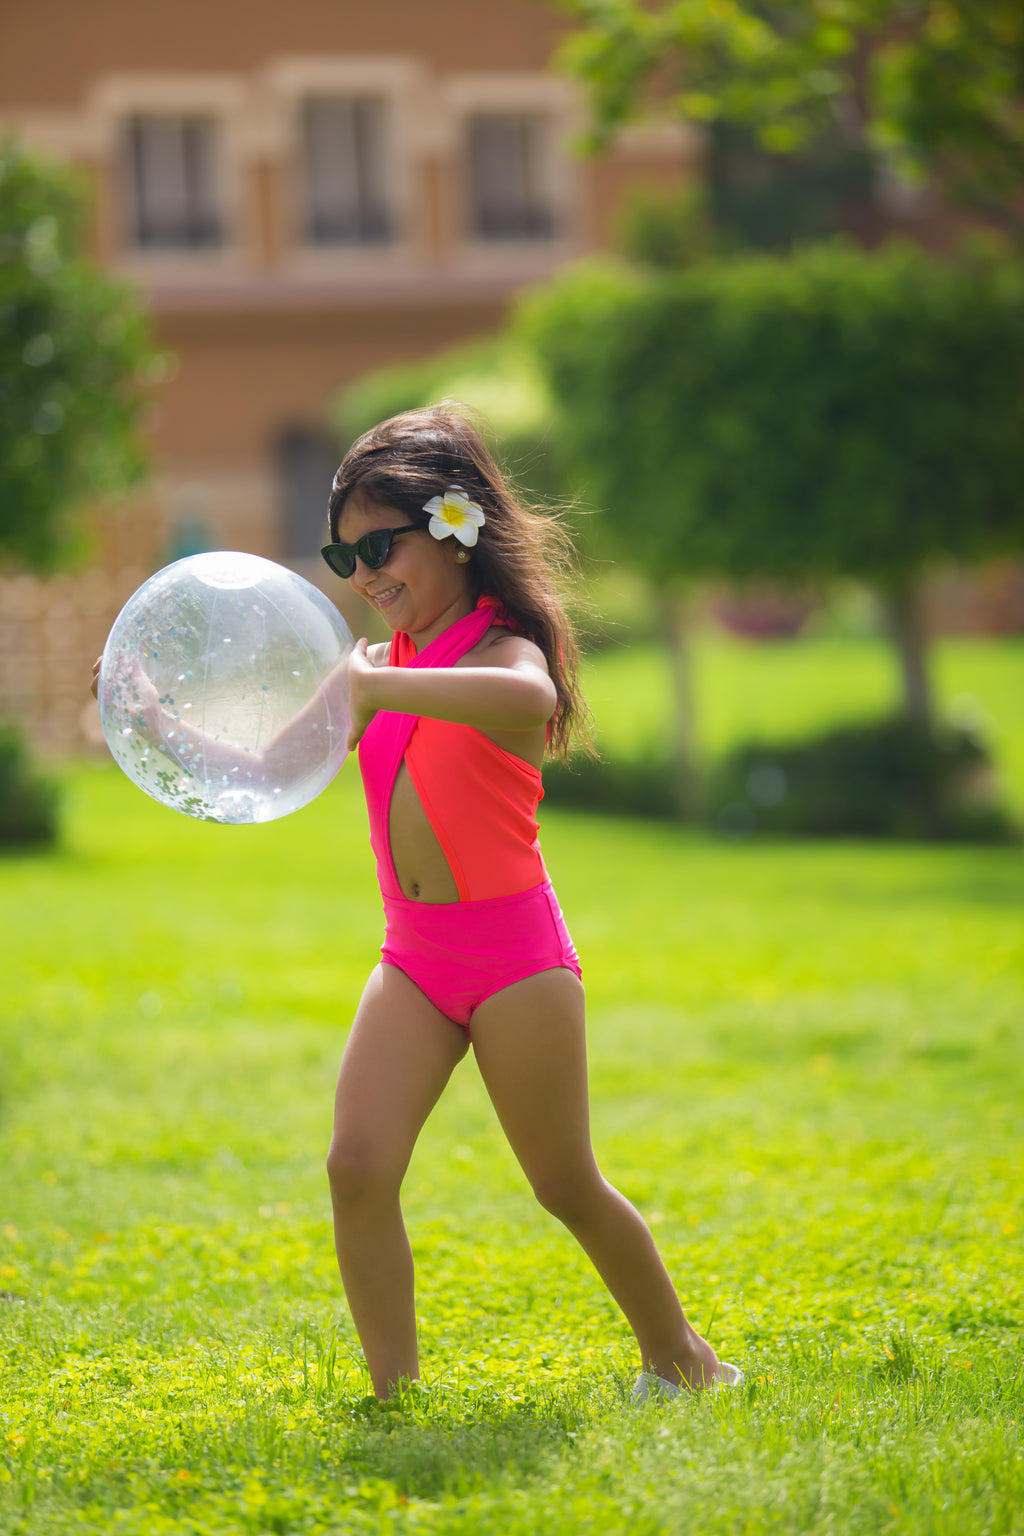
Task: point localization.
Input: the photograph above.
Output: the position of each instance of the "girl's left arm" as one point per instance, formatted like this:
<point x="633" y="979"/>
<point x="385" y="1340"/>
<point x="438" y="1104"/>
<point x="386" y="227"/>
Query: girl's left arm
<point x="510" y="690"/>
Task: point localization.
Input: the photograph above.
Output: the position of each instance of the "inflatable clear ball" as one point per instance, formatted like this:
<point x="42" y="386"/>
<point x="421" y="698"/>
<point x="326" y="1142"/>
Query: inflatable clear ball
<point x="223" y="688"/>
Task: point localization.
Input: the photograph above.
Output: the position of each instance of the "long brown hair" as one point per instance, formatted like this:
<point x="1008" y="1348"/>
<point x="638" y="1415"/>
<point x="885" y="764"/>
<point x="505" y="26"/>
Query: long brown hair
<point x="522" y="556"/>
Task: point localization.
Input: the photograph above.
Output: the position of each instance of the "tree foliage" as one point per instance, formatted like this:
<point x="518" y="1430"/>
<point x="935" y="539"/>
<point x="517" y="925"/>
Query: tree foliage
<point x="935" y="85"/>
<point x="831" y="415"/>
<point x="75" y="359"/>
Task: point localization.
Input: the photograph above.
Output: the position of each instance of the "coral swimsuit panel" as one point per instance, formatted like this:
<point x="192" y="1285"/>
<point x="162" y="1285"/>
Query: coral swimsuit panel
<point x="481" y="803"/>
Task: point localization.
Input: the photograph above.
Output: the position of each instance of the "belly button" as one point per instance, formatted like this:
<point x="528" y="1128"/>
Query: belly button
<point x="416" y="893"/>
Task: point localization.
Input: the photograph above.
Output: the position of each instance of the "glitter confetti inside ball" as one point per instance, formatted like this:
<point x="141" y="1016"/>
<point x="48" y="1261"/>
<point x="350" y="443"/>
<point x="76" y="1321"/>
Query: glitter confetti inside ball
<point x="224" y="688"/>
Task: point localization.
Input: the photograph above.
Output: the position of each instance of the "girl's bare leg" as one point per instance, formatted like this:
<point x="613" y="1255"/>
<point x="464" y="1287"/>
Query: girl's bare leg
<point x="399" y="1056"/>
<point x="530" y="1046"/>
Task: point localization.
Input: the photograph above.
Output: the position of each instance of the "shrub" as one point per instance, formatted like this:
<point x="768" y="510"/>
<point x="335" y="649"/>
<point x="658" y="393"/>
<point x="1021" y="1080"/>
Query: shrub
<point x="642" y="788"/>
<point x="28" y="802"/>
<point x="895" y="778"/>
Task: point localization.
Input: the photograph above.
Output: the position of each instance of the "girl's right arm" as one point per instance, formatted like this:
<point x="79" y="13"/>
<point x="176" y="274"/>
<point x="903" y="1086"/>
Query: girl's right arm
<point x="508" y="691"/>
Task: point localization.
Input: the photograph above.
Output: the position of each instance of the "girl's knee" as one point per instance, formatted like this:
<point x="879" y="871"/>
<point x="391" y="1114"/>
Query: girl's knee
<point x="570" y="1194"/>
<point x="357" y="1172"/>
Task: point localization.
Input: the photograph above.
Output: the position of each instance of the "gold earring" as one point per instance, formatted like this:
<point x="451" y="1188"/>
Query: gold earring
<point x="462" y="554"/>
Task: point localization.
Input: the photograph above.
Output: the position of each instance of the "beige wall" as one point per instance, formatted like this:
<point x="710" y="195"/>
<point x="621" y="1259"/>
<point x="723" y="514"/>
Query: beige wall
<point x="241" y="376"/>
<point x="51" y="46"/>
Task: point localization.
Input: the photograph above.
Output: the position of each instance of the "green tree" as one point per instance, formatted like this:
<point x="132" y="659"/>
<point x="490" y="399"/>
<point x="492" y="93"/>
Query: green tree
<point x="935" y="87"/>
<point x="76" y="357"/>
<point x="835" y="414"/>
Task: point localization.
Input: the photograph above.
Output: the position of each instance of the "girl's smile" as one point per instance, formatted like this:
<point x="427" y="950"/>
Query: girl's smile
<point x="383" y="598"/>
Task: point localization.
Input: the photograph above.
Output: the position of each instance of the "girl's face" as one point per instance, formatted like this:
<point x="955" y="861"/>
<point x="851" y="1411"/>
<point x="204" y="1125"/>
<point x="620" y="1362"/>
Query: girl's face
<point x="422" y="587"/>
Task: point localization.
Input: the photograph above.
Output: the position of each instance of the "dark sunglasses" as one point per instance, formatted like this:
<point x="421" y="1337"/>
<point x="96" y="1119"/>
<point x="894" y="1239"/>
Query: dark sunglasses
<point x="373" y="550"/>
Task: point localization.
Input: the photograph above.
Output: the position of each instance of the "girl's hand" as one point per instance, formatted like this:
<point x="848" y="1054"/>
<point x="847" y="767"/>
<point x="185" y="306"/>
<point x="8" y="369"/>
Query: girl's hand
<point x="361" y="674"/>
<point x="145" y="701"/>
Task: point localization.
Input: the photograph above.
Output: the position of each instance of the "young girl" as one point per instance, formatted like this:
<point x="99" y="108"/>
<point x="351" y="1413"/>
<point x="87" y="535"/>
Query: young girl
<point x="452" y="719"/>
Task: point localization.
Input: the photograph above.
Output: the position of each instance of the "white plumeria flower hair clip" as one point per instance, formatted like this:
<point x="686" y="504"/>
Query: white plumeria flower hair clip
<point x="454" y="513"/>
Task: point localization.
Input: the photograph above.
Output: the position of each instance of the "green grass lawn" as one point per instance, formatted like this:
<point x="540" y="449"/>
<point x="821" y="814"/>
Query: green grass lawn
<point x="808" y="1071"/>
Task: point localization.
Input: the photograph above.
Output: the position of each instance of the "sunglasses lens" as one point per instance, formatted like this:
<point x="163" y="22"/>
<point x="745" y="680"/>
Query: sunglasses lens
<point x="341" y="559"/>
<point x="375" y="547"/>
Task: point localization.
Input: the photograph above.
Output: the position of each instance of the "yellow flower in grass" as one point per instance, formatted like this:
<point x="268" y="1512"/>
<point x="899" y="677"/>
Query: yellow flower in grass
<point x="454" y="513"/>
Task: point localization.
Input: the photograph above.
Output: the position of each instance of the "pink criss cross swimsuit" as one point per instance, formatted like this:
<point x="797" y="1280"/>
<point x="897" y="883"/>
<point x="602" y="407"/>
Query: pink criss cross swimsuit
<point x="481" y="803"/>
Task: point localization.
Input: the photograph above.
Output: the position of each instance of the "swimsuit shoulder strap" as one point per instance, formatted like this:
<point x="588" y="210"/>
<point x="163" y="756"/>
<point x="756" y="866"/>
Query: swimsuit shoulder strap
<point x="452" y="643"/>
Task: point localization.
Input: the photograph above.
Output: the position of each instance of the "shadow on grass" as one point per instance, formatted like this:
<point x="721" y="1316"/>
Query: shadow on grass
<point x="424" y="1460"/>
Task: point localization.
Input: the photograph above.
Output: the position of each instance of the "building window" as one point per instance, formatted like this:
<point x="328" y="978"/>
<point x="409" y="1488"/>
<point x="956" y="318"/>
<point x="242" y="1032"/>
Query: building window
<point x="306" y="460"/>
<point x="510" y="176"/>
<point x="345" y="145"/>
<point x="174" y="175"/>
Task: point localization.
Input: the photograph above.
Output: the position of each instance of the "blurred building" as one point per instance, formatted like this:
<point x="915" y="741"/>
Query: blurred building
<point x="302" y="192"/>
